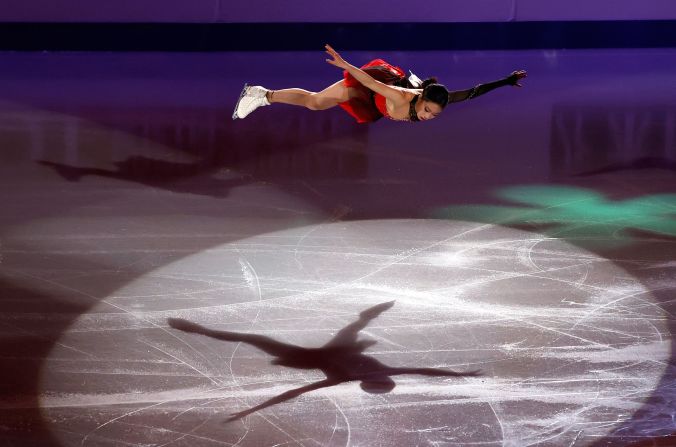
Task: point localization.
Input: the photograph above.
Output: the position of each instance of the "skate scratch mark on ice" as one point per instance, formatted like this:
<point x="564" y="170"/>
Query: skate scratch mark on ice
<point x="546" y="328"/>
<point x="385" y="339"/>
<point x="525" y="253"/>
<point x="191" y="435"/>
<point x="193" y="349"/>
<point x="252" y="281"/>
<point x="342" y="413"/>
<point x="297" y="441"/>
<point x="512" y="275"/>
<point x="129" y="313"/>
<point x="603" y="424"/>
<point x="251" y="277"/>
<point x="334" y="429"/>
<point x="601" y="330"/>
<point x="544" y="436"/>
<point x="556" y="331"/>
<point x="488" y="401"/>
<point x="184" y="435"/>
<point x="611" y="303"/>
<point x="207" y="402"/>
<point x="572" y="417"/>
<point x="84" y="440"/>
<point x="641" y="393"/>
<point x="580" y="283"/>
<point x="412" y="252"/>
<point x="300" y="240"/>
<point x="659" y="306"/>
<point x="632" y="365"/>
<point x="115" y="442"/>
<point x="260" y="414"/>
<point x="205" y="375"/>
<point x="441" y="428"/>
<point x="569" y="426"/>
<point x="63" y="345"/>
<point x="508" y="275"/>
<point x="164" y="295"/>
<point x="500" y="243"/>
<point x="530" y="252"/>
<point x="347" y="424"/>
<point x="314" y="190"/>
<point x="122" y="268"/>
<point x="219" y="280"/>
<point x="572" y="443"/>
<point x="397" y="259"/>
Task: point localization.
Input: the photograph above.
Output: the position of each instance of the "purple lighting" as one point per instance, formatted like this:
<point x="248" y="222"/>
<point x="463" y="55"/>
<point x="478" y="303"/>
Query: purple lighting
<point x="226" y="11"/>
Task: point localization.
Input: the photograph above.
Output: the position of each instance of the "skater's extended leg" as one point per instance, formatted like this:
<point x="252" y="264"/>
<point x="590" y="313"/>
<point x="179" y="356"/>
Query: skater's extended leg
<point x="261" y="342"/>
<point x="325" y="99"/>
<point x="284" y="397"/>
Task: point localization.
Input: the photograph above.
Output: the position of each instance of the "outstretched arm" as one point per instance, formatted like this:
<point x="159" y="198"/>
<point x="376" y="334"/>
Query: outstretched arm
<point x="434" y="372"/>
<point x="481" y="89"/>
<point x="398" y="96"/>
<point x="284" y="397"/>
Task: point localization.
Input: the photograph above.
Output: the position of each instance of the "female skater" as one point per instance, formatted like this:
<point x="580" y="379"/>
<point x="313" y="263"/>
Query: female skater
<point x="368" y="93"/>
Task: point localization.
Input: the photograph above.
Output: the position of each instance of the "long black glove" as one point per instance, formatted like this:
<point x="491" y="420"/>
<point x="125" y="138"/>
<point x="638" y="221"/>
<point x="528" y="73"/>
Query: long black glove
<point x="463" y="95"/>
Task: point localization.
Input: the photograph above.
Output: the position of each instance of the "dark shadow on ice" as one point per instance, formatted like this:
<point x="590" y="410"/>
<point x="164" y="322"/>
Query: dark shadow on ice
<point x="641" y="163"/>
<point x="176" y="177"/>
<point x="342" y="359"/>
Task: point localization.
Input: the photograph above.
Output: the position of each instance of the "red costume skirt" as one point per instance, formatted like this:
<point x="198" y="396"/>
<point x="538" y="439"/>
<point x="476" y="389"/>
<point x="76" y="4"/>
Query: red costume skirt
<point x="363" y="106"/>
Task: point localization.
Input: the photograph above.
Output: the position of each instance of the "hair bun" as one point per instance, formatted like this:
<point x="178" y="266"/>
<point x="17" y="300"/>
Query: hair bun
<point x="429" y="81"/>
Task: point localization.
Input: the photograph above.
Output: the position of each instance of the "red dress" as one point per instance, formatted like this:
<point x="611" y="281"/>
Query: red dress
<point x="368" y="106"/>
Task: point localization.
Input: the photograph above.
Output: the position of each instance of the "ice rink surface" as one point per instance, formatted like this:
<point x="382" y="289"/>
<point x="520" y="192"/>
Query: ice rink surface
<point x="501" y="276"/>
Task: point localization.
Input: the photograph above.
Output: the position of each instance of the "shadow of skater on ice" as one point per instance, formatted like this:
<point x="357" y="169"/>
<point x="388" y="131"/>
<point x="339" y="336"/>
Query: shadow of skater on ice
<point x="342" y="359"/>
<point x="190" y="178"/>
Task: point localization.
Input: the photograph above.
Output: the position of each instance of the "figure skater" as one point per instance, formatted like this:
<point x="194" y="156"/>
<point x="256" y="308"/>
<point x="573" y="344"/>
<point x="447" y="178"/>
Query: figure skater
<point x="368" y="93"/>
<point x="341" y="360"/>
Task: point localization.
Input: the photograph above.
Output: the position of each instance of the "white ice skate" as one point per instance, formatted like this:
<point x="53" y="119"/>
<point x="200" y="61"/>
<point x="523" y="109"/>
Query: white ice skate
<point x="251" y="98"/>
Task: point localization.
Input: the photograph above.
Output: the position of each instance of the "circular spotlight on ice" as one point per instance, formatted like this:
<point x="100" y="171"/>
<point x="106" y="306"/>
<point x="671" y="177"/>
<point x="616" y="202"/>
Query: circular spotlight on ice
<point x="569" y="345"/>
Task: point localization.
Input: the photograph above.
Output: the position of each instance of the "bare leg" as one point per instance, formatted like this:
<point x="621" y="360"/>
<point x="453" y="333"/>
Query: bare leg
<point x="327" y="98"/>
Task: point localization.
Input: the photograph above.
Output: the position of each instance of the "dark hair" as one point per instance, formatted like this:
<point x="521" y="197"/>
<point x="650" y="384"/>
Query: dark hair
<point x="432" y="91"/>
<point x="435" y="92"/>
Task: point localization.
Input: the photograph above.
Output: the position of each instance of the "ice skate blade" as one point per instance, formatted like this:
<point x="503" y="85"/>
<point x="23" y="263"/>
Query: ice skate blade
<point x="241" y="95"/>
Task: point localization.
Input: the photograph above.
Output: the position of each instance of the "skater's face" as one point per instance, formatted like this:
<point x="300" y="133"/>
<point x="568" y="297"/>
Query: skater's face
<point x="427" y="110"/>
